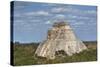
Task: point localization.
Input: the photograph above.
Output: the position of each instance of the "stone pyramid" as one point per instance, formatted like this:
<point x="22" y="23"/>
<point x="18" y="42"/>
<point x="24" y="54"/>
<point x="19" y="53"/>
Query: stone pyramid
<point x="60" y="38"/>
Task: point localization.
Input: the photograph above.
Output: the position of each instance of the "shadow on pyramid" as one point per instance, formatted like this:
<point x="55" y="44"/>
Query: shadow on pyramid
<point x="60" y="38"/>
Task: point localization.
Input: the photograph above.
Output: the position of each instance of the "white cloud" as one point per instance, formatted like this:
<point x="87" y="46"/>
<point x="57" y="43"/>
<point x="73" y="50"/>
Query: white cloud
<point x="71" y="20"/>
<point x="78" y="23"/>
<point x="19" y="23"/>
<point x="64" y="9"/>
<point x="72" y="16"/>
<point x="48" y="22"/>
<point x="42" y="13"/>
<point x="38" y="13"/>
<point x="60" y="16"/>
<point x="78" y="17"/>
<point x="58" y="10"/>
<point x="72" y="10"/>
<point x="90" y="12"/>
<point x="49" y="5"/>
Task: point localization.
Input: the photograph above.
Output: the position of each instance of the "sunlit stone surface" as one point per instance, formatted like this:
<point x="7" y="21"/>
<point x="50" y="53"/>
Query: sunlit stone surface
<point x="60" y="37"/>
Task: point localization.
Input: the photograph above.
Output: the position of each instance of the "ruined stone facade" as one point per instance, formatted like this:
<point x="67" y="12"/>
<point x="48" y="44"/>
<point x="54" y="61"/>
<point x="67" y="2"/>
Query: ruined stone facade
<point x="60" y="37"/>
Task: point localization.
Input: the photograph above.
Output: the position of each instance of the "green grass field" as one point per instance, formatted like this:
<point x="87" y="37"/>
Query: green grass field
<point x="24" y="55"/>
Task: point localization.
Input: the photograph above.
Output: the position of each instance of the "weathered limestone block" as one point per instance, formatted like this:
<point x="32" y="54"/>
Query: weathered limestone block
<point x="60" y="37"/>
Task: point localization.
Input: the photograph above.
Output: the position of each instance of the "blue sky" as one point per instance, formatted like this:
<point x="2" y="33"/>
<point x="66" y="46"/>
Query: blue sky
<point x="32" y="20"/>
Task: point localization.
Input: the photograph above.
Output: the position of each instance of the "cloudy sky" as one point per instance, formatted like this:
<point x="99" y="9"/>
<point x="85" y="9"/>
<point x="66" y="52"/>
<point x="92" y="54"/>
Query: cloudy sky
<point x="32" y="20"/>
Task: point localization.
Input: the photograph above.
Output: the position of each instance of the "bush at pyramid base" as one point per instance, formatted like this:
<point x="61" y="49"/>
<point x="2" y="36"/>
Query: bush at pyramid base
<point x="60" y="38"/>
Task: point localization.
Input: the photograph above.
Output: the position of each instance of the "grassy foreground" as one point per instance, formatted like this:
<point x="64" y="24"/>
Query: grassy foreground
<point x="24" y="55"/>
